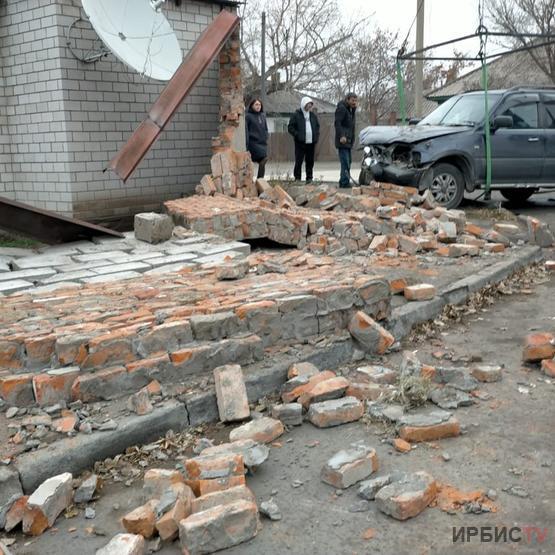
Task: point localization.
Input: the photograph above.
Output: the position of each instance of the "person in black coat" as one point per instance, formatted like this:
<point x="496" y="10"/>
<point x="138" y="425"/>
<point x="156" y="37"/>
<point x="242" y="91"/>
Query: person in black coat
<point x="305" y="129"/>
<point x="256" y="128"/>
<point x="345" y="121"/>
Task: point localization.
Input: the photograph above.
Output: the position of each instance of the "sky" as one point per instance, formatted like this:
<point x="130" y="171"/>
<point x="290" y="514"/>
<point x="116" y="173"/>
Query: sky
<point x="444" y="19"/>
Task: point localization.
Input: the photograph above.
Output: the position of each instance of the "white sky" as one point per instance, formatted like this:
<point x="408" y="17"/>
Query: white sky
<point x="444" y="19"/>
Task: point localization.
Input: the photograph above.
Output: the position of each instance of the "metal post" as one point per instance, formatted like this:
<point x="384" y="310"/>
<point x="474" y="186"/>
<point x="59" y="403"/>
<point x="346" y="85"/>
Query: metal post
<point x="263" y="61"/>
<point x="419" y="77"/>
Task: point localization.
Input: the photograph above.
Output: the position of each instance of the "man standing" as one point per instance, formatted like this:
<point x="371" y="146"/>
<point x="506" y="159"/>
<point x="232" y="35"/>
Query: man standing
<point x="345" y="135"/>
<point x="305" y="128"/>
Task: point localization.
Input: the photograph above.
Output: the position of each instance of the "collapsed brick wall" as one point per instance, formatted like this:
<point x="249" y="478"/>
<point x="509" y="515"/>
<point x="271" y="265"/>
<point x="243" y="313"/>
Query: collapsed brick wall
<point x="103" y="341"/>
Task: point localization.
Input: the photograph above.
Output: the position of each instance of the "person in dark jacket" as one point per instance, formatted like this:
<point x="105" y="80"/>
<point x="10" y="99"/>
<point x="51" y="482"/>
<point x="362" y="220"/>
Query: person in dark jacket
<point x="257" y="135"/>
<point x="305" y="128"/>
<point x="345" y="120"/>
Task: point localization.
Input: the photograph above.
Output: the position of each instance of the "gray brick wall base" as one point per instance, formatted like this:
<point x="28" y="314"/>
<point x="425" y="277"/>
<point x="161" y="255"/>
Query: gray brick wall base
<point x="62" y="120"/>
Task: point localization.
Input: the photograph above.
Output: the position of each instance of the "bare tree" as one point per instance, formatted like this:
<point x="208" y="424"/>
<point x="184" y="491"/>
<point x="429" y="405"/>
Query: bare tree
<point x="364" y="64"/>
<point x="301" y="36"/>
<point x="527" y="16"/>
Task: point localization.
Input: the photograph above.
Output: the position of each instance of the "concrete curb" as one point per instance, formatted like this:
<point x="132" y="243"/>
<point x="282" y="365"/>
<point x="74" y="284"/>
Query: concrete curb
<point x="78" y="453"/>
<point x="82" y="451"/>
<point x="405" y="317"/>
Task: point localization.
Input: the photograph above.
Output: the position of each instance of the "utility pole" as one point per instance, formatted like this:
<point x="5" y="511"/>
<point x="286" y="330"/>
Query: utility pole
<point x="263" y="61"/>
<point x="418" y="82"/>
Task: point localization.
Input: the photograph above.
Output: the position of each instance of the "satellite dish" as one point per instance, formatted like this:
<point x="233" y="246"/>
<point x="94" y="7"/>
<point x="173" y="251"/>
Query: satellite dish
<point x="138" y="33"/>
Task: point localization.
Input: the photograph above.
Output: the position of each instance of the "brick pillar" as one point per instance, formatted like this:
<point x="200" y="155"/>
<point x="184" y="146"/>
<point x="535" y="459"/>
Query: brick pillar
<point x="231" y="133"/>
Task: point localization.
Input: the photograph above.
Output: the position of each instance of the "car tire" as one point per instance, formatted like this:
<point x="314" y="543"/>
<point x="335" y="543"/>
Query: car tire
<point x="364" y="177"/>
<point x="518" y="196"/>
<point x="447" y="186"/>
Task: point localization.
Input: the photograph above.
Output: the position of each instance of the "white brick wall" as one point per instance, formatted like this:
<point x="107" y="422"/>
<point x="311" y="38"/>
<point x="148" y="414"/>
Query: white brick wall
<point x="62" y="120"/>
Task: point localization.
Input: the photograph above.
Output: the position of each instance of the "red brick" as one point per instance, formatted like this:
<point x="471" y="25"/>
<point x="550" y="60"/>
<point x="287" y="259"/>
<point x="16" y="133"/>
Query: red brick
<point x="224" y="497"/>
<point x="206" y="474"/>
<point x="335" y="412"/>
<point x="231" y="393"/>
<point x="10" y="355"/>
<point x="15" y="514"/>
<point x="261" y="430"/>
<point x="219" y="528"/>
<point x="141" y="520"/>
<point x="302" y="369"/>
<point x="66" y="424"/>
<point x="450" y="428"/>
<point x="539" y="346"/>
<point x="373" y="337"/>
<point x="158" y="480"/>
<point x="548" y="367"/>
<point x="401" y="445"/>
<point x="54" y="386"/>
<point x="420" y="292"/>
<point x="366" y="391"/>
<point x="167" y="526"/>
<point x="40" y="349"/>
<point x="17" y="389"/>
<point x="328" y="389"/>
<point x="288" y="396"/>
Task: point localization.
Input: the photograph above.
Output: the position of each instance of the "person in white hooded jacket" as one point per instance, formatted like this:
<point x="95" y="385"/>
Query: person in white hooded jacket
<point x="305" y="129"/>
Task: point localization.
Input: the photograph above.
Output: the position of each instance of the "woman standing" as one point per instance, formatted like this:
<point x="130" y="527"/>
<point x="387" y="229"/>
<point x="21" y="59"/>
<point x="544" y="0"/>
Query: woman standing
<point x="257" y="135"/>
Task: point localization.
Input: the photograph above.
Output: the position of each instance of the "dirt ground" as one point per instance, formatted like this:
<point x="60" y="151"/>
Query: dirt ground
<point x="508" y="441"/>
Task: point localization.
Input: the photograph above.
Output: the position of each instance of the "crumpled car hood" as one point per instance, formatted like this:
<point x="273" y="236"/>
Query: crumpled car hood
<point x="384" y="135"/>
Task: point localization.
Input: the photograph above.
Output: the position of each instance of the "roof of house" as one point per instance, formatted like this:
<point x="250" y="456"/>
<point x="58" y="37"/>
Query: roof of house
<point x="509" y="70"/>
<point x="286" y="102"/>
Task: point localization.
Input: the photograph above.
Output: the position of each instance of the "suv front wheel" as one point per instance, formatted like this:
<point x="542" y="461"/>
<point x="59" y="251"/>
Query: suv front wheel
<point x="447" y="186"/>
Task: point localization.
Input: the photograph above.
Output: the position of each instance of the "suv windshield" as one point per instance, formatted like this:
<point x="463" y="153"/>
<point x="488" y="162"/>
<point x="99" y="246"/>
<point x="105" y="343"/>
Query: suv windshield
<point x="461" y="110"/>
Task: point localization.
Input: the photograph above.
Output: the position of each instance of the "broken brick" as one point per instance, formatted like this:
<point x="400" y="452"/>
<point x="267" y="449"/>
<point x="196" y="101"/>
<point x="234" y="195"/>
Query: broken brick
<point x="17" y="389"/>
<point x="261" y="430"/>
<point x="374" y="338"/>
<point x="291" y="414"/>
<point x="66" y="424"/>
<point x="323" y="391"/>
<point x="296" y="387"/>
<point x="335" y="412"/>
<point x="224" y="497"/>
<point x="401" y="445"/>
<point x="548" y="367"/>
<point x="420" y="292"/>
<point x="374" y="374"/>
<point x="487" y="373"/>
<point x="14" y="516"/>
<point x="302" y="369"/>
<point x="231" y="393"/>
<point x="407" y="497"/>
<point x="158" y="480"/>
<point x="219" y="527"/>
<point x="45" y="504"/>
<point x="124" y="544"/>
<point x="431" y="432"/>
<point x="539" y="346"/>
<point x="54" y="385"/>
<point x="140" y="403"/>
<point x="167" y="525"/>
<point x="366" y="391"/>
<point x="209" y="473"/>
<point x="141" y="520"/>
<point x="349" y="466"/>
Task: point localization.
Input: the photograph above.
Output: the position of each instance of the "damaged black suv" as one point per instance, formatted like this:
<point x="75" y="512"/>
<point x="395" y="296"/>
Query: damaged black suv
<point x="445" y="152"/>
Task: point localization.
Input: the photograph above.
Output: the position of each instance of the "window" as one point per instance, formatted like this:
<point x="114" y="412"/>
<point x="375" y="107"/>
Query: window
<point x="550" y="115"/>
<point x="525" y="115"/>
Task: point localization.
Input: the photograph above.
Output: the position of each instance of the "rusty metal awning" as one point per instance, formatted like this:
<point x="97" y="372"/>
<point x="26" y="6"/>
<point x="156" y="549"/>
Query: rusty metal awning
<point x="46" y="226"/>
<point x="191" y="69"/>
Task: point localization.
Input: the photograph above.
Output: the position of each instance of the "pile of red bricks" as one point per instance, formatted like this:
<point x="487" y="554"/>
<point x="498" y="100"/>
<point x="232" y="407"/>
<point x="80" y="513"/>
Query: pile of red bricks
<point x="103" y="341"/>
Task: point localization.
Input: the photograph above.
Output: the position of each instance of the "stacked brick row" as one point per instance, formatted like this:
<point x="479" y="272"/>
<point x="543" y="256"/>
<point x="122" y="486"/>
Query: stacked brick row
<point x="100" y="342"/>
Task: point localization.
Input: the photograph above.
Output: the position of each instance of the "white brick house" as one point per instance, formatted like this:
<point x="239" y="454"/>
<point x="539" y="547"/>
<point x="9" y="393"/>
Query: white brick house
<point x="62" y="120"/>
